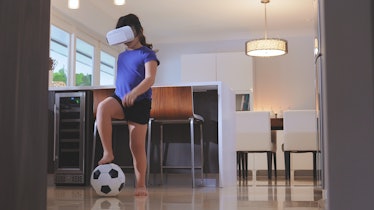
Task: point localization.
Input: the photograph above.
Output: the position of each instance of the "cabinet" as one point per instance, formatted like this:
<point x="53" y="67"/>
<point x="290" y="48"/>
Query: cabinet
<point x="235" y="69"/>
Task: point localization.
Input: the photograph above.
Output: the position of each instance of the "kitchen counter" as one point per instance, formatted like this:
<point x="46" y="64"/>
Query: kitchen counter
<point x="221" y="111"/>
<point x="77" y="88"/>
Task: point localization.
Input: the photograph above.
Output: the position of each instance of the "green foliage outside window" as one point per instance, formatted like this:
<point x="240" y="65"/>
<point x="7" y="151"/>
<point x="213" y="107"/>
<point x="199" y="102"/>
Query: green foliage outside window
<point x="83" y="80"/>
<point x="60" y="76"/>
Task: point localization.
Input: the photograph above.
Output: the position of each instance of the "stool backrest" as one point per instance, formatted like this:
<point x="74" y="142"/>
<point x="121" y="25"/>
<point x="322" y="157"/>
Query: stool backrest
<point x="172" y="103"/>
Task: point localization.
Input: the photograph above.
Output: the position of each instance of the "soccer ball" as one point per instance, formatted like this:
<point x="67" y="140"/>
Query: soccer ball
<point x="107" y="179"/>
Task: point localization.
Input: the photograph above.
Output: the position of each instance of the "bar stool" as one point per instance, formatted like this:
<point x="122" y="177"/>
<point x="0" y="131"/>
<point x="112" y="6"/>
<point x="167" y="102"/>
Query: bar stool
<point x="174" y="105"/>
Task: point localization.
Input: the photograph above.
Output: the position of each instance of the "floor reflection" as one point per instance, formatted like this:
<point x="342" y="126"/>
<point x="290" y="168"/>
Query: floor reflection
<point x="269" y="195"/>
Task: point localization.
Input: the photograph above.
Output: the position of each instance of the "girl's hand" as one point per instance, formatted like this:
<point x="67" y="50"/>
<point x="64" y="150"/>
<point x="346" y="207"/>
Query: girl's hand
<point x="129" y="99"/>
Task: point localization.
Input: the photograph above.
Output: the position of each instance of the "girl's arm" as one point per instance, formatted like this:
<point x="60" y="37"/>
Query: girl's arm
<point x="150" y="76"/>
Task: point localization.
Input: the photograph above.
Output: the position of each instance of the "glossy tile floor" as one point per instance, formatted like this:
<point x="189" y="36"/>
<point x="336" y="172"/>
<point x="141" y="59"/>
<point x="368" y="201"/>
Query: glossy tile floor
<point x="257" y="195"/>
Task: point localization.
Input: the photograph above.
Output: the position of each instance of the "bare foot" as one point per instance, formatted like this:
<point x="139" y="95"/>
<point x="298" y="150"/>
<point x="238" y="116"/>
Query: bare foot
<point x="141" y="191"/>
<point x="106" y="159"/>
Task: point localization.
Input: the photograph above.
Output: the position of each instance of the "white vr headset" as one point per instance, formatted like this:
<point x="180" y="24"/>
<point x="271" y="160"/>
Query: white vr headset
<point x="120" y="35"/>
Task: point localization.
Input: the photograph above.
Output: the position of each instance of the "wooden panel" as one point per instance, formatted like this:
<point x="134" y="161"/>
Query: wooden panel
<point x="172" y="103"/>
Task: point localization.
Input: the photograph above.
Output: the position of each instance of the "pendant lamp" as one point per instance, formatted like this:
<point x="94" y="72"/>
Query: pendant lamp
<point x="119" y="2"/>
<point x="266" y="47"/>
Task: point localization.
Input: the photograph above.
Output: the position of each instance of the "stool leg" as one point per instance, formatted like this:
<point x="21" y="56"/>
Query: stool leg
<point x="161" y="153"/>
<point x="202" y="153"/>
<point x="192" y="151"/>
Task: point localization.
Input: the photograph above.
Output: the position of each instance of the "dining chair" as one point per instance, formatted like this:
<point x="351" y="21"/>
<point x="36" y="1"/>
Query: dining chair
<point x="300" y="136"/>
<point x="253" y="135"/>
<point x="174" y="105"/>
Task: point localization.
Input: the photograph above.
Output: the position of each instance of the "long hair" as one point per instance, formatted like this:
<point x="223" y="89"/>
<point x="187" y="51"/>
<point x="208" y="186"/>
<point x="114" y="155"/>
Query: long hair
<point x="133" y="21"/>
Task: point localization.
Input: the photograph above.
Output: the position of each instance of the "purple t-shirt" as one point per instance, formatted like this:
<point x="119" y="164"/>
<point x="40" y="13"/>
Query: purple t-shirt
<point x="131" y="71"/>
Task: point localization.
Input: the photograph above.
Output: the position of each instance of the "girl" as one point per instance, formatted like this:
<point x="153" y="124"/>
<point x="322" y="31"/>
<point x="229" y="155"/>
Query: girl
<point x="136" y="72"/>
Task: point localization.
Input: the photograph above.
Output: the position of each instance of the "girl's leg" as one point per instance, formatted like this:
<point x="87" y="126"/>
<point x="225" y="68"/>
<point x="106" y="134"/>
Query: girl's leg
<point x="107" y="110"/>
<point x="137" y="145"/>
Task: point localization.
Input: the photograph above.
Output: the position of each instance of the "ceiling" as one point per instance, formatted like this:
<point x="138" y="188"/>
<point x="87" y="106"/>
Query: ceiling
<point x="167" y="21"/>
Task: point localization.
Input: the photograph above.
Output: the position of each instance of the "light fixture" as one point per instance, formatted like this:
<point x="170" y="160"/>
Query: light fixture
<point x="316" y="50"/>
<point x="119" y="2"/>
<point x="73" y="4"/>
<point x="266" y="47"/>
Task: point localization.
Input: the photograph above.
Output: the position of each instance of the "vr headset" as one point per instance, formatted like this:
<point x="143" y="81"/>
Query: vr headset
<point x="120" y="35"/>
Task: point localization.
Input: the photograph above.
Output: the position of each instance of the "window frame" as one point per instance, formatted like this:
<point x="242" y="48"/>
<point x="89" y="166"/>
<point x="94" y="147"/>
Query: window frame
<point x="98" y="42"/>
<point x="99" y="69"/>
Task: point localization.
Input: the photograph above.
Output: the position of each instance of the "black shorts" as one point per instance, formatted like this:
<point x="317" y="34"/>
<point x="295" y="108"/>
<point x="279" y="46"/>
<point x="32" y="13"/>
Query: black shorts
<point x="138" y="113"/>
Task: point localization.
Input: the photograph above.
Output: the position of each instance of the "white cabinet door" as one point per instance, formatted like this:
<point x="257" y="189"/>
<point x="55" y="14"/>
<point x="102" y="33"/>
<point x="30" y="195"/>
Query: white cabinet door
<point x="198" y="68"/>
<point x="236" y="70"/>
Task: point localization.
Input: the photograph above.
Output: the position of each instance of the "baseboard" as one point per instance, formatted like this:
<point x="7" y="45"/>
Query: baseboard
<point x="298" y="174"/>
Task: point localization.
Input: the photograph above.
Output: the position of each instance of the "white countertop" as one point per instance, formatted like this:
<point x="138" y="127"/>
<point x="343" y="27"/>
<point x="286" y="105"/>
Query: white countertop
<point x="197" y="86"/>
<point x="75" y="88"/>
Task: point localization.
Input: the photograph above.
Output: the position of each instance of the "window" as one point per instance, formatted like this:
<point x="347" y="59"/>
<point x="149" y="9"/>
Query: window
<point x="59" y="52"/>
<point x="107" y="68"/>
<point x="84" y="60"/>
<point x="81" y="57"/>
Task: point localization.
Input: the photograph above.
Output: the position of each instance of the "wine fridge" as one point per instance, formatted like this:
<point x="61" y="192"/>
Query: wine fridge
<point x="73" y="133"/>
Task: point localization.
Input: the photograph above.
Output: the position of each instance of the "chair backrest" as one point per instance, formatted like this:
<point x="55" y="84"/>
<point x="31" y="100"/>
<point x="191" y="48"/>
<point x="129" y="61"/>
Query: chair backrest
<point x="172" y="103"/>
<point x="300" y="130"/>
<point x="253" y="131"/>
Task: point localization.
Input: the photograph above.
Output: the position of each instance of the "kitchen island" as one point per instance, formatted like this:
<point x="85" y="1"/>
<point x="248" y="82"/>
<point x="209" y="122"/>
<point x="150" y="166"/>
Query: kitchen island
<point x="216" y="103"/>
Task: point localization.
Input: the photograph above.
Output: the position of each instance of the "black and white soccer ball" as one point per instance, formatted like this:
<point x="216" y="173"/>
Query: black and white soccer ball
<point x="107" y="179"/>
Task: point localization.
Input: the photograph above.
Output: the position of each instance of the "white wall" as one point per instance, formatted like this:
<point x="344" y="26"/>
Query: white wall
<point x="280" y="82"/>
<point x="286" y="82"/>
<point x="170" y="54"/>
